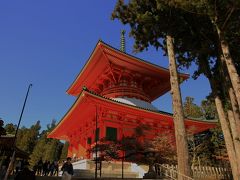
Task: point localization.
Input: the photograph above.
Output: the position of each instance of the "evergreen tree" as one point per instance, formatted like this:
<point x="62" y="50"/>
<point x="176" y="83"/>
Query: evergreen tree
<point x="64" y="151"/>
<point x="27" y="138"/>
<point x="45" y="148"/>
<point x="198" y="37"/>
<point x="151" y="22"/>
<point x="22" y="138"/>
<point x="39" y="150"/>
<point x="191" y="109"/>
<point x="224" y="18"/>
<point x="53" y="150"/>
<point x="209" y="109"/>
<point x="10" y="128"/>
<point x="53" y="146"/>
<point x="204" y="147"/>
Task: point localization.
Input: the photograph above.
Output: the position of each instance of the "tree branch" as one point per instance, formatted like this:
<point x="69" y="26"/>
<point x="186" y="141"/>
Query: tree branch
<point x="226" y="20"/>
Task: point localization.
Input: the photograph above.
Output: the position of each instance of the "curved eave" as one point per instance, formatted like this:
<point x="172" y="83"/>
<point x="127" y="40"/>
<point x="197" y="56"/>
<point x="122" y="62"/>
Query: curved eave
<point x="148" y="110"/>
<point x="61" y="124"/>
<point x="147" y="63"/>
<point x="75" y="82"/>
<point x="101" y="47"/>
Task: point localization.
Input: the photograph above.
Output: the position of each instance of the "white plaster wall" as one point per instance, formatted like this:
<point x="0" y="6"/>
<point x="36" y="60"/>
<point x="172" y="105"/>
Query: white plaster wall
<point x="136" y="102"/>
<point x="82" y="164"/>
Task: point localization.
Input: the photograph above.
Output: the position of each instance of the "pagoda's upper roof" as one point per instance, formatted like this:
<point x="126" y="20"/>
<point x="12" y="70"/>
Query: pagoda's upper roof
<point x="107" y="65"/>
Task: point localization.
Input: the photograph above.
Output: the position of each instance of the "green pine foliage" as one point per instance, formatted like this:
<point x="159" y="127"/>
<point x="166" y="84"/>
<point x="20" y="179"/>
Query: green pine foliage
<point x="193" y="24"/>
<point x="207" y="147"/>
<point x="39" y="150"/>
<point x="27" y="137"/>
<point x="10" y="128"/>
<point x="35" y="142"/>
<point x="47" y="149"/>
<point x="191" y="109"/>
<point x="209" y="109"/>
<point x="53" y="149"/>
<point x="64" y="151"/>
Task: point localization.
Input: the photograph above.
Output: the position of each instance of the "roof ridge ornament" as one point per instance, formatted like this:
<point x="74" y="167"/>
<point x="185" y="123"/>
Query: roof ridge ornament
<point x="122" y="45"/>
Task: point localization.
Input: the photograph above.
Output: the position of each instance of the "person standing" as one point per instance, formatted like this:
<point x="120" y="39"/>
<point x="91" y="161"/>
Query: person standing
<point x="45" y="168"/>
<point x="18" y="166"/>
<point x="55" y="168"/>
<point x="51" y="169"/>
<point x="39" y="167"/>
<point x="2" y="130"/>
<point x="67" y="169"/>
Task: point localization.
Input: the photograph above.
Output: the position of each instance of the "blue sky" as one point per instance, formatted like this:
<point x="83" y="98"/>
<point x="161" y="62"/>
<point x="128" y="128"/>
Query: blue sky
<point x="46" y="43"/>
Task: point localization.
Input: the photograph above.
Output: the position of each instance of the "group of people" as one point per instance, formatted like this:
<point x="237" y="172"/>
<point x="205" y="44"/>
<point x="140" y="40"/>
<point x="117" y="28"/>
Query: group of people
<point x="50" y="169"/>
<point x="46" y="168"/>
<point x="22" y="171"/>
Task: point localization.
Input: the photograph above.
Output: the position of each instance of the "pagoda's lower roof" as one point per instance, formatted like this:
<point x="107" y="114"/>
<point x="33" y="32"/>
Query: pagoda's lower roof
<point x="89" y="104"/>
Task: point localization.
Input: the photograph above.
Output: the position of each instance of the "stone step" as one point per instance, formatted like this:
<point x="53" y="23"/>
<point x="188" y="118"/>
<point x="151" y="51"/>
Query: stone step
<point x="78" y="178"/>
<point x="110" y="174"/>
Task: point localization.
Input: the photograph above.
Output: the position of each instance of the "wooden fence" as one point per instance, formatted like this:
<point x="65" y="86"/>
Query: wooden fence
<point x="199" y="172"/>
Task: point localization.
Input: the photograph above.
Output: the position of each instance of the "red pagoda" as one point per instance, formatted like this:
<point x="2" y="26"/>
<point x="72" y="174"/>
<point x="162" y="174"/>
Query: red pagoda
<point x="114" y="92"/>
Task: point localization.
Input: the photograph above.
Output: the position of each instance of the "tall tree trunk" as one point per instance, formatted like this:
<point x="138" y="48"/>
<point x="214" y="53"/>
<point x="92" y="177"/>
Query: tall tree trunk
<point x="231" y="94"/>
<point x="222" y="118"/>
<point x="180" y="132"/>
<point x="233" y="115"/>
<point x="226" y="130"/>
<point x="236" y="141"/>
<point x="234" y="77"/>
<point x="235" y="109"/>
<point x="227" y="138"/>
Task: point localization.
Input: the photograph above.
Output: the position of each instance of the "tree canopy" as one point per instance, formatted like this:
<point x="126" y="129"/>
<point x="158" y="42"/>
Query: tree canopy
<point x="35" y="142"/>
